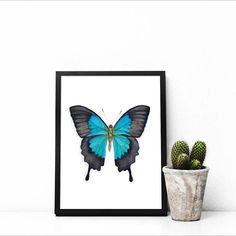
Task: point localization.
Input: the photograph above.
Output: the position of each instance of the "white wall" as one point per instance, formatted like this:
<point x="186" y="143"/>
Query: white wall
<point x="195" y="42"/>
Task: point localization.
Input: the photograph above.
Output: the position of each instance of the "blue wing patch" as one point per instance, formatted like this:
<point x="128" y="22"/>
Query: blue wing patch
<point x="123" y="126"/>
<point x="121" y="146"/>
<point x="96" y="126"/>
<point x="121" y="143"/>
<point x="98" y="145"/>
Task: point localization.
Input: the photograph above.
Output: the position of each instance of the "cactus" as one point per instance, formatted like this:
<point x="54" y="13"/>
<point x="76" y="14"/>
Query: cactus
<point x="182" y="162"/>
<point x="178" y="148"/>
<point x="195" y="165"/>
<point x="198" y="152"/>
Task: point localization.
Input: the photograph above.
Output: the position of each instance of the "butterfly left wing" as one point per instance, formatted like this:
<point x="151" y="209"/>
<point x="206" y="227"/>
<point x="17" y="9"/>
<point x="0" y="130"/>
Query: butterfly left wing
<point x="87" y="122"/>
<point x="93" y="130"/>
<point x="129" y="127"/>
<point x="94" y="152"/>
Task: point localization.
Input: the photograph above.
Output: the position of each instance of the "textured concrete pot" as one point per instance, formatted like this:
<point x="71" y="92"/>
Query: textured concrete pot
<point x="185" y="190"/>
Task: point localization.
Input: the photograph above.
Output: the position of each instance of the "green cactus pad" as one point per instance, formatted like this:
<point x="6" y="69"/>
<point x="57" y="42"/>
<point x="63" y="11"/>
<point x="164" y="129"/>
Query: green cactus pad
<point x="182" y="162"/>
<point x="198" y="151"/>
<point x="195" y="165"/>
<point x="178" y="148"/>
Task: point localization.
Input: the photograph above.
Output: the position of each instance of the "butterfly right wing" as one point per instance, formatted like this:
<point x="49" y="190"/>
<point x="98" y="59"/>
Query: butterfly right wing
<point x="93" y="130"/>
<point x="129" y="127"/>
<point x="125" y="150"/>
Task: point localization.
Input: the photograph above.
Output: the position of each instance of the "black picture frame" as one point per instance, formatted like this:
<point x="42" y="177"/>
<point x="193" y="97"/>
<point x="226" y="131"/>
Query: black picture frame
<point x="109" y="212"/>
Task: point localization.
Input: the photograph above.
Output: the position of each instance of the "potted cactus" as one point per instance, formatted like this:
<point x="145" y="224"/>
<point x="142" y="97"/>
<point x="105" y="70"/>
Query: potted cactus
<point x="186" y="180"/>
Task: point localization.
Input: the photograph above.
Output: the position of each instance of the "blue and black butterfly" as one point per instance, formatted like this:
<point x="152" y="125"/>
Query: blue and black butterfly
<point x="96" y="134"/>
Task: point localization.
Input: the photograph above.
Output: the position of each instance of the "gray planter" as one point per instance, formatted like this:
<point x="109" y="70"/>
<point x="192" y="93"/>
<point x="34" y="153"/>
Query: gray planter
<point x="185" y="190"/>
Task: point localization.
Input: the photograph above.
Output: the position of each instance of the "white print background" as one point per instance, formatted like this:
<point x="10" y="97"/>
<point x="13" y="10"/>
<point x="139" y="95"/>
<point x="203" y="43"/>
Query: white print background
<point x="109" y="188"/>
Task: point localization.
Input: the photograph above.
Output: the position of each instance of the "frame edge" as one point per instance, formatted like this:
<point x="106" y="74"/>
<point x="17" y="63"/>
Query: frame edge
<point x="109" y="212"/>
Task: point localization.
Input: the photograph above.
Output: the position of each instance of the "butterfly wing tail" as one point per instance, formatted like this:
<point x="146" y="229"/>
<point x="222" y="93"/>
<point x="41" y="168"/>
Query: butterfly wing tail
<point x="129" y="157"/>
<point x="90" y="157"/>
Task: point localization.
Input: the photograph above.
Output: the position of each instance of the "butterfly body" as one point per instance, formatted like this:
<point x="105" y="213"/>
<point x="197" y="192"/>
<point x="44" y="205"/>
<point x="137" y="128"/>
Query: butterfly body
<point x="110" y="136"/>
<point x="96" y="135"/>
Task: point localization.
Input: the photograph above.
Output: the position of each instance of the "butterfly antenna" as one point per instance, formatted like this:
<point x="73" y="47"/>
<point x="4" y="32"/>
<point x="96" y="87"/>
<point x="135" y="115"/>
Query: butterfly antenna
<point x="105" y="116"/>
<point x="117" y="117"/>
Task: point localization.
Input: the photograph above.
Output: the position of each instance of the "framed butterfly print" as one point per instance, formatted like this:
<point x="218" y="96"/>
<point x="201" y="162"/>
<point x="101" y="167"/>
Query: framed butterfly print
<point x="110" y="143"/>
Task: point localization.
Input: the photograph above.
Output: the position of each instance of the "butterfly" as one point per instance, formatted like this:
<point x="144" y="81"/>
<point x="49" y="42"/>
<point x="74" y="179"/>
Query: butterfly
<point x="96" y="134"/>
